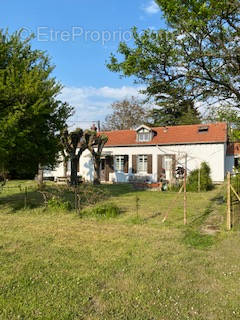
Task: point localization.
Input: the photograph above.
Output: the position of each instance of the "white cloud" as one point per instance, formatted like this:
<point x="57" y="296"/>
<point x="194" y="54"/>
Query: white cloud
<point x="151" y="8"/>
<point x="92" y="104"/>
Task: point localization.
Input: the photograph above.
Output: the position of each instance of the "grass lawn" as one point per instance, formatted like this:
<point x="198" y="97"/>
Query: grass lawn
<point x="55" y="264"/>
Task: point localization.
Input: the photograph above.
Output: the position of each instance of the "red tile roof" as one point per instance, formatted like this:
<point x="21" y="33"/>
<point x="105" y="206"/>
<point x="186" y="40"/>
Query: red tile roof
<point x="233" y="149"/>
<point x="187" y="134"/>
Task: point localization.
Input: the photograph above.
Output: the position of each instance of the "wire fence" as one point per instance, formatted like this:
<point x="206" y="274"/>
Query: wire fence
<point x="234" y="201"/>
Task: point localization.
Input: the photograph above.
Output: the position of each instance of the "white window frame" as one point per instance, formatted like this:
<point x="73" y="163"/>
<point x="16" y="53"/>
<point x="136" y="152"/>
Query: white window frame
<point x="142" y="163"/>
<point x="119" y="163"/>
<point x="144" y="135"/>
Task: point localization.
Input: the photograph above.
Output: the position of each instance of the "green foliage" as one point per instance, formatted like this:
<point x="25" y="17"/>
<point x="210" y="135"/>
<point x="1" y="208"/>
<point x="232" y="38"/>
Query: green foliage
<point x="173" y="115"/>
<point x="31" y="114"/>
<point x="195" y="59"/>
<point x="57" y="203"/>
<point x="106" y="210"/>
<point x="205" y="179"/>
<point x="229" y="115"/>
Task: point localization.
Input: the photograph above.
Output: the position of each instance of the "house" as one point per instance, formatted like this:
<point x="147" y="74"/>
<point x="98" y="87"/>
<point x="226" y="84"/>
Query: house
<point x="153" y="154"/>
<point x="233" y="156"/>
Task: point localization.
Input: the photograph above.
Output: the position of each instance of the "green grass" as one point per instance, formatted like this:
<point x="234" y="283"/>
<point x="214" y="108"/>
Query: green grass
<point x="57" y="265"/>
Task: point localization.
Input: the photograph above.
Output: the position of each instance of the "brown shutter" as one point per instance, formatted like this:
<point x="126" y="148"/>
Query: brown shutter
<point x="159" y="167"/>
<point x="149" y="166"/>
<point x="78" y="166"/>
<point x="109" y="167"/>
<point x="134" y="164"/>
<point x="173" y="165"/>
<point x="125" y="164"/>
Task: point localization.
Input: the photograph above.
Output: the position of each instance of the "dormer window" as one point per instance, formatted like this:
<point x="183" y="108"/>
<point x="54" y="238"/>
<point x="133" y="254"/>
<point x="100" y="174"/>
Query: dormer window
<point x="203" y="129"/>
<point x="144" y="134"/>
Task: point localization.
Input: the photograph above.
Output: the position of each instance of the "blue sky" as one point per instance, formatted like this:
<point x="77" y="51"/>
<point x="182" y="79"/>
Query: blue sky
<point x="79" y="36"/>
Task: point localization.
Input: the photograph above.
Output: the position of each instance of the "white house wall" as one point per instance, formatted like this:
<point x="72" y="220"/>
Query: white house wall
<point x="213" y="154"/>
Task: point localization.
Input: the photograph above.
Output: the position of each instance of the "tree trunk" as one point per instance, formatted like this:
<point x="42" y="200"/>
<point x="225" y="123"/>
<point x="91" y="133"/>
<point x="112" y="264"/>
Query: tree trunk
<point x="65" y="164"/>
<point x="40" y="175"/>
<point x="97" y="164"/>
<point x="74" y="176"/>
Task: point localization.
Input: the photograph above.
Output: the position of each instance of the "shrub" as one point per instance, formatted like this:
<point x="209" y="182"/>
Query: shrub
<point x="107" y="210"/>
<point x="57" y="203"/>
<point x="205" y="179"/>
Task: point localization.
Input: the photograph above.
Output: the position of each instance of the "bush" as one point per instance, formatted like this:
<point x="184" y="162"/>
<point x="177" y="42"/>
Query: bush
<point x="107" y="210"/>
<point x="56" y="203"/>
<point x="205" y="180"/>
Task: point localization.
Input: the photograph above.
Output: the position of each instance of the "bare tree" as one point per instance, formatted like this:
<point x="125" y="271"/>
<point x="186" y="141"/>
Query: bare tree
<point x="127" y="114"/>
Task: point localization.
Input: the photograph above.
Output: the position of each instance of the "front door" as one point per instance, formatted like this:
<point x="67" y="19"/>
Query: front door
<point x="103" y="169"/>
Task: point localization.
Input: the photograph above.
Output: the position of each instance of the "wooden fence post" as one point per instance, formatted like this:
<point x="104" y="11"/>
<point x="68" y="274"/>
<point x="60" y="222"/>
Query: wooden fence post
<point x="228" y="201"/>
<point x="185" y="191"/>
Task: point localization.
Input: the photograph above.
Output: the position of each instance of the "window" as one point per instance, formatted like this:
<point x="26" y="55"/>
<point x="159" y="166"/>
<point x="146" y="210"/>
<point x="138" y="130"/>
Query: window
<point x="144" y="135"/>
<point x="202" y="129"/>
<point x="142" y="163"/>
<point x="119" y="163"/>
<point x="236" y="162"/>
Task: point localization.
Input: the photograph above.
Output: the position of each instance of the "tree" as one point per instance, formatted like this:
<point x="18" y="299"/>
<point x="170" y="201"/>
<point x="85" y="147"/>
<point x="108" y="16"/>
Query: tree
<point x="229" y="115"/>
<point x="95" y="143"/>
<point x="31" y="116"/>
<point x="171" y="115"/>
<point x="73" y="145"/>
<point x="195" y="59"/>
<point x="127" y="114"/>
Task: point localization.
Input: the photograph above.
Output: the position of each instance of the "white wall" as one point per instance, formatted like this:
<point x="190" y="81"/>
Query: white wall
<point x="213" y="154"/>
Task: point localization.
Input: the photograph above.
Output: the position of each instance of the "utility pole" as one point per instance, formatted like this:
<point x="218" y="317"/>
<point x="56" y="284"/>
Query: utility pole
<point x="185" y="191"/>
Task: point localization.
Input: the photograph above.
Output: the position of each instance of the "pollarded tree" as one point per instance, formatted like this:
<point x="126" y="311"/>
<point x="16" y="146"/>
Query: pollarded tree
<point x="95" y="143"/>
<point x="196" y="59"/>
<point x="31" y="115"/>
<point x="73" y="145"/>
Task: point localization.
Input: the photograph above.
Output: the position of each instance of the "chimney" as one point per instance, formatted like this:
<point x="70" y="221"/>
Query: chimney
<point x="93" y="127"/>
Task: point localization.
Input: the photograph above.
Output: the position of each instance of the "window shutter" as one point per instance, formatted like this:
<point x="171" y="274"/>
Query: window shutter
<point x="134" y="164"/>
<point x="159" y="167"/>
<point x="126" y="164"/>
<point x="149" y="165"/>
<point x="78" y="166"/>
<point x="173" y="165"/>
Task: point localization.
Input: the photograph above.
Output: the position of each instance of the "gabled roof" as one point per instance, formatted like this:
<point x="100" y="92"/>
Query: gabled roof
<point x="187" y="134"/>
<point x="233" y="149"/>
<point x="143" y="126"/>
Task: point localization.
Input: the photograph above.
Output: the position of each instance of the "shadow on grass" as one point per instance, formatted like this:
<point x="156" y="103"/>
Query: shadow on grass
<point x="88" y="195"/>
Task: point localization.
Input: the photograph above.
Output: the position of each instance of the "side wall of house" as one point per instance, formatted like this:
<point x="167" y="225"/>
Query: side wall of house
<point x="213" y="154"/>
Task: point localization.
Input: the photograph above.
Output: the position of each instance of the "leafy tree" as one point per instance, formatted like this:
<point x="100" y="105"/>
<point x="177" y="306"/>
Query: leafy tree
<point x="229" y="115"/>
<point x="205" y="179"/>
<point x="95" y="143"/>
<point x="171" y="115"/>
<point x="195" y="59"/>
<point x="127" y="114"/>
<point x="31" y="116"/>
